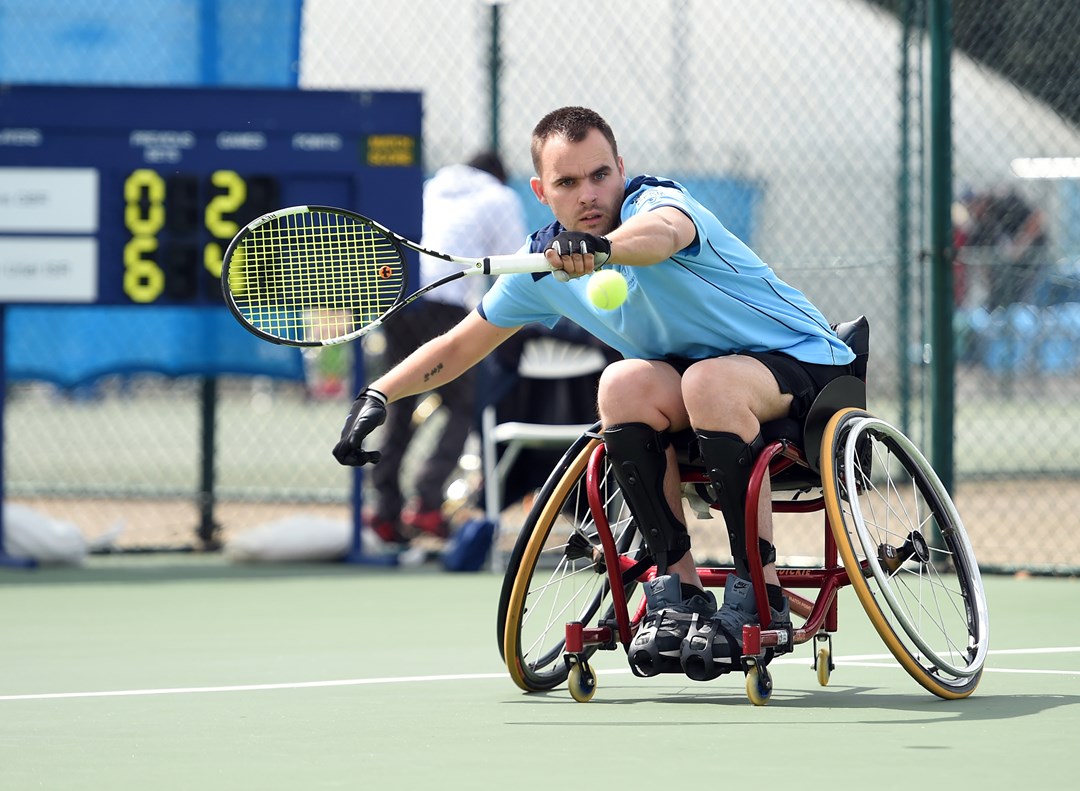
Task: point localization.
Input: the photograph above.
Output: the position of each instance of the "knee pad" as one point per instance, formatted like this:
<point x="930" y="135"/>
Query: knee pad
<point x="639" y="462"/>
<point x="728" y="462"/>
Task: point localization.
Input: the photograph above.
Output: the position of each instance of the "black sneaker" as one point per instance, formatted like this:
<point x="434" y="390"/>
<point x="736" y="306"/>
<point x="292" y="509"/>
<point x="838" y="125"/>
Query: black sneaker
<point x="656" y="648"/>
<point x="714" y="647"/>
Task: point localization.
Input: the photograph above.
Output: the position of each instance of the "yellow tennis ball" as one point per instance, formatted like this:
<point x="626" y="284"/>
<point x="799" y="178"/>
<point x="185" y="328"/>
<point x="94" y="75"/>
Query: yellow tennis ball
<point x="606" y="289"/>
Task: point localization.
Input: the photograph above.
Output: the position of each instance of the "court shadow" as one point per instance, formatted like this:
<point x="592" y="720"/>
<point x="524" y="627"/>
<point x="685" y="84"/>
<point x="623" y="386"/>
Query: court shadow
<point x="977" y="707"/>
<point x="838" y="705"/>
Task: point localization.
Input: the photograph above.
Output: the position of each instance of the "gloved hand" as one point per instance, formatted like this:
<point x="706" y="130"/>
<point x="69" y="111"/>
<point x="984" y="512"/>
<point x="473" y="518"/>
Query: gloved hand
<point x="368" y="412"/>
<point x="575" y="243"/>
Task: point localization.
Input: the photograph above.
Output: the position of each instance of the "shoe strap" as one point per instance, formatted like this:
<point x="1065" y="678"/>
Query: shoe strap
<point x="637" y="569"/>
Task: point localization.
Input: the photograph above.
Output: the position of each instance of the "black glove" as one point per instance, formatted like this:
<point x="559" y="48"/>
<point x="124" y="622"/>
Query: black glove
<point x="574" y="243"/>
<point x="368" y="412"/>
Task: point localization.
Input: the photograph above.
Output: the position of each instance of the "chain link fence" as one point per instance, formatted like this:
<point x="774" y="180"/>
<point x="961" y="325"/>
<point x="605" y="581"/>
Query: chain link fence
<point x="805" y="126"/>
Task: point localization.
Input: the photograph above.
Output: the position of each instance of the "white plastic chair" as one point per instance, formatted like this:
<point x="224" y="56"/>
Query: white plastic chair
<point x="541" y="358"/>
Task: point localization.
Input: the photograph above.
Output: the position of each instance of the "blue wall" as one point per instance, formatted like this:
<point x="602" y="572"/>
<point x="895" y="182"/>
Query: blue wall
<point x="193" y="42"/>
<point x="224" y="43"/>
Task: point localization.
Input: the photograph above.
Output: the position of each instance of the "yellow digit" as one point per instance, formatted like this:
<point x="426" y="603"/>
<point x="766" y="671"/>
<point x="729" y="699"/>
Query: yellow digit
<point x="144" y="182"/>
<point x="212" y="257"/>
<point x="144" y="215"/>
<point x="143" y="279"/>
<point x="228" y="202"/>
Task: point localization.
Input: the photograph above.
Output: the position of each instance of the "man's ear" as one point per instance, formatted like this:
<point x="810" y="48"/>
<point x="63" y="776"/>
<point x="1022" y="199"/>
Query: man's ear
<point x="538" y="189"/>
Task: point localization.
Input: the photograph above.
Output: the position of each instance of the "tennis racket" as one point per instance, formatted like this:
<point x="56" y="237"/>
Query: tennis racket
<point x="319" y="276"/>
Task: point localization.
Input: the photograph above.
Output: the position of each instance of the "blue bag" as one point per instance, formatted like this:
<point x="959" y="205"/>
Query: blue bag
<point x="468" y="548"/>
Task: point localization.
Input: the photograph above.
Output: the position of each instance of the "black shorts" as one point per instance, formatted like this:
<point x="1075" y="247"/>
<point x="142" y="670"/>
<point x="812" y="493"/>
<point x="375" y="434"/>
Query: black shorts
<point x="803" y="381"/>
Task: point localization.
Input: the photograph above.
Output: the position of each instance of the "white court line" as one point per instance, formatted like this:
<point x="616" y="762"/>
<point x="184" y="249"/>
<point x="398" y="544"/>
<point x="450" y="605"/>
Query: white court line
<point x="349" y="682"/>
<point x="864" y="660"/>
<point x="985" y="669"/>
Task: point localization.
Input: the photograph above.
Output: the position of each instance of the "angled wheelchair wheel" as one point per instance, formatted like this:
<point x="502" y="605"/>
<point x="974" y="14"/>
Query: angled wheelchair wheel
<point x="554" y="577"/>
<point x="906" y="552"/>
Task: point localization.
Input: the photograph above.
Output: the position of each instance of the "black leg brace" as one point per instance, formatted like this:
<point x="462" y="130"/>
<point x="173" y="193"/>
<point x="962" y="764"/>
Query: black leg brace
<point x="639" y="460"/>
<point x="728" y="462"/>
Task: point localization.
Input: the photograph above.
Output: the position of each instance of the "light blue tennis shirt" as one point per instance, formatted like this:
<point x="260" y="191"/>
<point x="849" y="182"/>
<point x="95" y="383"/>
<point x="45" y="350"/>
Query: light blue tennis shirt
<point x="714" y="298"/>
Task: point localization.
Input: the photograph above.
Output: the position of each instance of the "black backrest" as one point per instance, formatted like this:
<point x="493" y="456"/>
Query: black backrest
<point x="856" y="334"/>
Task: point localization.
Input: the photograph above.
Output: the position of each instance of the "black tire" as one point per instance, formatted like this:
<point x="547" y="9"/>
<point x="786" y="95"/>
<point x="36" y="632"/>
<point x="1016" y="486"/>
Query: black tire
<point x="906" y="552"/>
<point x="545" y="587"/>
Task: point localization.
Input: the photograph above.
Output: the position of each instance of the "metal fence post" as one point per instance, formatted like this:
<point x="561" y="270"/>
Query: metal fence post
<point x="942" y="384"/>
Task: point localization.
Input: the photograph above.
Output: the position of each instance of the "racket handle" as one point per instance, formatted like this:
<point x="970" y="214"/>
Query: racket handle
<point x="527" y="262"/>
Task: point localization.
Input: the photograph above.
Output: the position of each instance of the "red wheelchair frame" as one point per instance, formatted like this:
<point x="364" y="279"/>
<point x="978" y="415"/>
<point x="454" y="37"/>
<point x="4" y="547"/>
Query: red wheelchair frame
<point x="820" y="613"/>
<point x="857" y="461"/>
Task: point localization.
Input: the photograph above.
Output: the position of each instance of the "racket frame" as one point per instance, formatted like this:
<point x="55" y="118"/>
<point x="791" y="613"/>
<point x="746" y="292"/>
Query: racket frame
<point x="488" y="265"/>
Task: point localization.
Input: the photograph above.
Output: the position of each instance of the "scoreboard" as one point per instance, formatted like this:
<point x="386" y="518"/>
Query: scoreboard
<point x="129" y="196"/>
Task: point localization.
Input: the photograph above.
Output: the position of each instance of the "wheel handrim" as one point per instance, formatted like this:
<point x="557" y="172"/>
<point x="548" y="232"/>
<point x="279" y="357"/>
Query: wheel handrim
<point x="909" y="610"/>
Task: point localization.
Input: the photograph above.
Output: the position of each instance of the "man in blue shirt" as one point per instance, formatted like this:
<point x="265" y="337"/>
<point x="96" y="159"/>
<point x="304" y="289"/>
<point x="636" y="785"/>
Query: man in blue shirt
<point x="713" y="341"/>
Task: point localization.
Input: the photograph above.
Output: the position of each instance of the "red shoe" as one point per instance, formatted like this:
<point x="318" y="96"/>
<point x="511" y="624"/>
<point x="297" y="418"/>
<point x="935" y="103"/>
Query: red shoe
<point x="425" y="522"/>
<point x="386" y="529"/>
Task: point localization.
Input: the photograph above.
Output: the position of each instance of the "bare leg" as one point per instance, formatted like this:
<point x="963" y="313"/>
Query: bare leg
<point x="736" y="395"/>
<point x="650" y="392"/>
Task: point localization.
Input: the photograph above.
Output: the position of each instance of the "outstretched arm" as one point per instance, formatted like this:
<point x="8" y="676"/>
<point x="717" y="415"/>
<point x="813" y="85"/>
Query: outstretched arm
<point x="443" y="359"/>
<point x="437" y="362"/>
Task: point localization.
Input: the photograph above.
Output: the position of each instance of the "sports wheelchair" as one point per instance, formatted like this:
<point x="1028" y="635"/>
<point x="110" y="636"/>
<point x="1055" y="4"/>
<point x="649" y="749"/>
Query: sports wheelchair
<point x="891" y="531"/>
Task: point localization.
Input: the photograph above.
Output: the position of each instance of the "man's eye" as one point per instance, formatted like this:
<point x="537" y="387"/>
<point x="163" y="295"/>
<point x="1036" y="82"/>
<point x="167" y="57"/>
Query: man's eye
<point x="600" y="176"/>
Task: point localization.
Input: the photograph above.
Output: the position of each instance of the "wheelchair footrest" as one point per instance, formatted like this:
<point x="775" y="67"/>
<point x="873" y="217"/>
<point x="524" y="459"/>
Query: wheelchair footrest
<point x="756" y="640"/>
<point x="578" y="637"/>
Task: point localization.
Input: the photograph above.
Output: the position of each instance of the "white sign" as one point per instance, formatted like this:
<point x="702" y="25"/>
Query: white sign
<point x="61" y="200"/>
<point x="48" y="269"/>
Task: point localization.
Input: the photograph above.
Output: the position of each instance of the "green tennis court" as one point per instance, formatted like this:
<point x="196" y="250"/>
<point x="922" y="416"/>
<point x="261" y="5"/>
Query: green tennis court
<point x="184" y="672"/>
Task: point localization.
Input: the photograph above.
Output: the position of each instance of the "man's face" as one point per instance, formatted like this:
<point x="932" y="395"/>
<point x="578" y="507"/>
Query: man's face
<point x="582" y="183"/>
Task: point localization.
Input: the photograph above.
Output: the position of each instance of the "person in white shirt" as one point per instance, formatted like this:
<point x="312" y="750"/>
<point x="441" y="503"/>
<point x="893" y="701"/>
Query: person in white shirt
<point x="468" y="211"/>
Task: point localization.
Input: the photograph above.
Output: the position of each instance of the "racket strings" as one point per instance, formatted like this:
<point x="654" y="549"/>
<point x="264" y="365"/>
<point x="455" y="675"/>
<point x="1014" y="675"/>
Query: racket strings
<point x="315" y="276"/>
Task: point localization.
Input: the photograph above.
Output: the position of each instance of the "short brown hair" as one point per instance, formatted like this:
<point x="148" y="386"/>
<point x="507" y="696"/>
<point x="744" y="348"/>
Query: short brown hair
<point x="574" y="124"/>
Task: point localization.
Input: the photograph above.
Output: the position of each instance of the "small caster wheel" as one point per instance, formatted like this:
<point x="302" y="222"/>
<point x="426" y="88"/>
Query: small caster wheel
<point x="582" y="682"/>
<point x="758" y="685"/>
<point x="823" y="665"/>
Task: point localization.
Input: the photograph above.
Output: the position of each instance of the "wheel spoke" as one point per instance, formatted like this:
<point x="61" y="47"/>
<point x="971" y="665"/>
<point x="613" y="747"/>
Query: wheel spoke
<point x="925" y="599"/>
<point x="554" y="582"/>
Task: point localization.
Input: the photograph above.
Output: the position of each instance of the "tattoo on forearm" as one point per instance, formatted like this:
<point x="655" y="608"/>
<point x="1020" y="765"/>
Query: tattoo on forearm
<point x="433" y="372"/>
